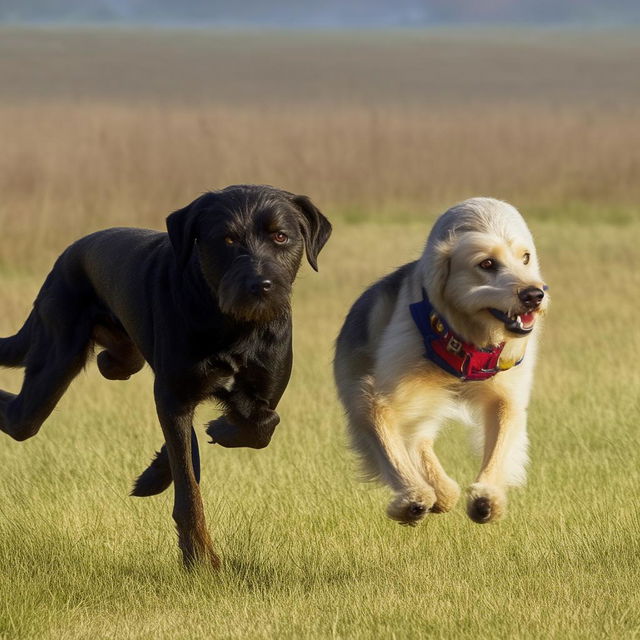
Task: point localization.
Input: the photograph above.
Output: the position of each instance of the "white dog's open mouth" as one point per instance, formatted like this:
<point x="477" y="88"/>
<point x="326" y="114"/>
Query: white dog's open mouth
<point x="521" y="323"/>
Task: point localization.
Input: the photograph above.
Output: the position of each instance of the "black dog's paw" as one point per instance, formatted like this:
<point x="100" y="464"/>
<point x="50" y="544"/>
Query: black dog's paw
<point x="228" y="434"/>
<point x="222" y="432"/>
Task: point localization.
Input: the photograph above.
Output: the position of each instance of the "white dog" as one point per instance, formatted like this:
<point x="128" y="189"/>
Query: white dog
<point x="456" y="329"/>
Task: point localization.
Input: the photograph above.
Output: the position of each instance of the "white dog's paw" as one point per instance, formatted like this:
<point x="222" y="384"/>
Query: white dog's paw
<point x="486" y="503"/>
<point x="411" y="507"/>
<point x="447" y="495"/>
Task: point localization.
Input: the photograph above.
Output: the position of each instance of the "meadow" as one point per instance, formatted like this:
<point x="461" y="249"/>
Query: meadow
<point x="384" y="131"/>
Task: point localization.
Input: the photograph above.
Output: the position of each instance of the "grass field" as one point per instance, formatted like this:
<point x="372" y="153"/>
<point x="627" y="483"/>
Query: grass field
<point x="545" y="119"/>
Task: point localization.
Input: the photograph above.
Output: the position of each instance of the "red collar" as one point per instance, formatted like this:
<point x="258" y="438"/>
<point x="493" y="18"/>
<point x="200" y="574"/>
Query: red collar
<point x="450" y="352"/>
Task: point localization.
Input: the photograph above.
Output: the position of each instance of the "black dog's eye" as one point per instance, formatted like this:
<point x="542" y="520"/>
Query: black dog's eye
<point x="228" y="240"/>
<point x="279" y="237"/>
<point x="489" y="264"/>
<point x="526" y="257"/>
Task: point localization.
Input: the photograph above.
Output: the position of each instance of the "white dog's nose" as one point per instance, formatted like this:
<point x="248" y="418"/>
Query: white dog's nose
<point x="531" y="297"/>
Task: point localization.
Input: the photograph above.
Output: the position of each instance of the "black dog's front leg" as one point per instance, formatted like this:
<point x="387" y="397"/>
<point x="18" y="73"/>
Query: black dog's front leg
<point x="250" y="417"/>
<point x="188" y="512"/>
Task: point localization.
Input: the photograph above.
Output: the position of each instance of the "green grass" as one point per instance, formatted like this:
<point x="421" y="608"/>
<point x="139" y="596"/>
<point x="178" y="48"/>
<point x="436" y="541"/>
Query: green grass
<point x="119" y="127"/>
<point x="307" y="551"/>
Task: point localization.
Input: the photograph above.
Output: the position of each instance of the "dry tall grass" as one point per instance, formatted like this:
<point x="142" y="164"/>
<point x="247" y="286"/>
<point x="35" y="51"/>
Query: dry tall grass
<point x="67" y="169"/>
<point x="105" y="128"/>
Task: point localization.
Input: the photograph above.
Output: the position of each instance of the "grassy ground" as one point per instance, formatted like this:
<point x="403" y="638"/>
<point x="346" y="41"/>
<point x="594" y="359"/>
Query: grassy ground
<point x="307" y="550"/>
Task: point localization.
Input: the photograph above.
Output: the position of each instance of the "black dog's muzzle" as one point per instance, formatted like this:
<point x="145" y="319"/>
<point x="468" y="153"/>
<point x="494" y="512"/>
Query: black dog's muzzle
<point x="254" y="290"/>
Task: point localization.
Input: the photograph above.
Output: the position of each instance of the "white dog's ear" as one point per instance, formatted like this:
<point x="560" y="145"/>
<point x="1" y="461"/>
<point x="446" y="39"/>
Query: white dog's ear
<point x="439" y="267"/>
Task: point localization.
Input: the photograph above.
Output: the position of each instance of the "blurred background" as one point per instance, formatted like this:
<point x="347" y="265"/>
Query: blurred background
<point x="330" y="13"/>
<point x="384" y="112"/>
<point x="119" y="111"/>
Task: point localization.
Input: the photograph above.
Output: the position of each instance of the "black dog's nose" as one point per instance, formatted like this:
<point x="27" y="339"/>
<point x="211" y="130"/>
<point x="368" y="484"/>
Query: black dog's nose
<point x="531" y="297"/>
<point x="261" y="285"/>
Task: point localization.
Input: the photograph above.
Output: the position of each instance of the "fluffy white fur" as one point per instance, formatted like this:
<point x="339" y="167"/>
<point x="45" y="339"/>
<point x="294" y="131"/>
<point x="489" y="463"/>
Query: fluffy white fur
<point x="396" y="400"/>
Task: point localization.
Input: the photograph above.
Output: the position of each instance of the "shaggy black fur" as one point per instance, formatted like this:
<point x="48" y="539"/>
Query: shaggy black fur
<point x="207" y="306"/>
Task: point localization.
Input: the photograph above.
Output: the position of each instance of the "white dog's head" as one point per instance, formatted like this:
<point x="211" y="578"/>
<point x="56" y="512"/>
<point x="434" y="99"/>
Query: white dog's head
<point x="480" y="270"/>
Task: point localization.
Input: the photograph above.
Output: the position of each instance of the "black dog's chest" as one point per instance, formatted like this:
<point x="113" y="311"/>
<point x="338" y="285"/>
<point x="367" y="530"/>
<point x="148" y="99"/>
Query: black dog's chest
<point x="220" y="373"/>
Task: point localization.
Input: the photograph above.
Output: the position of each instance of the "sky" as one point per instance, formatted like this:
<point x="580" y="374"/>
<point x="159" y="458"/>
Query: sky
<point x="322" y="13"/>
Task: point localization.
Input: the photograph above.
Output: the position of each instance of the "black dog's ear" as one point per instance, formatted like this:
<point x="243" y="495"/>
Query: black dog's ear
<point x="181" y="228"/>
<point x="316" y="229"/>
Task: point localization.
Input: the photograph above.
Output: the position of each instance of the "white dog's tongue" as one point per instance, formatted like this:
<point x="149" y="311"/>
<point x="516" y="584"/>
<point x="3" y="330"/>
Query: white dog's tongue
<point x="527" y="320"/>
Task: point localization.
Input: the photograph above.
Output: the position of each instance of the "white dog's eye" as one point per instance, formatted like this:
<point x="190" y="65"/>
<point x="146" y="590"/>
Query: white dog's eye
<point x="488" y="264"/>
<point x="526" y="257"/>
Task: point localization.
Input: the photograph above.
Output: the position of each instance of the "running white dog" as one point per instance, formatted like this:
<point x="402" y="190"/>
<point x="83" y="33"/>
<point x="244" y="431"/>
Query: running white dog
<point x="456" y="329"/>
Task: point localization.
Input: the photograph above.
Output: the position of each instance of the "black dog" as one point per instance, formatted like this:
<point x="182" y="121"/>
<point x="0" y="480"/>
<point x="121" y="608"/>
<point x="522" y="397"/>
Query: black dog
<point x="207" y="306"/>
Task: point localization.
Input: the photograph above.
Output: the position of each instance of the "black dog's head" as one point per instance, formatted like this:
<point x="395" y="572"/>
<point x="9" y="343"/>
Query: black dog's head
<point x="249" y="241"/>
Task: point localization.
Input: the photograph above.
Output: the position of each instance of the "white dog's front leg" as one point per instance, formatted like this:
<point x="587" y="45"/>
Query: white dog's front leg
<point x="446" y="489"/>
<point x="503" y="464"/>
<point x="414" y="496"/>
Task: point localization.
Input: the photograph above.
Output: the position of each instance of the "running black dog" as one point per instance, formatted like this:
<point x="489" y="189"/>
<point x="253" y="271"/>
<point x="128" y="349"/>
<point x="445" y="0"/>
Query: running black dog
<point x="207" y="306"/>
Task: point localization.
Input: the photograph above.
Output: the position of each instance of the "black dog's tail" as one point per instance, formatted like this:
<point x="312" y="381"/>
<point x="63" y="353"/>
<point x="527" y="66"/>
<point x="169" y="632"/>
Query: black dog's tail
<point x="157" y="476"/>
<point x="13" y="350"/>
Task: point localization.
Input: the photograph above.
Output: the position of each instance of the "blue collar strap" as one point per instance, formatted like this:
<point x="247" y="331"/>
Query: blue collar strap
<point x="450" y="352"/>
